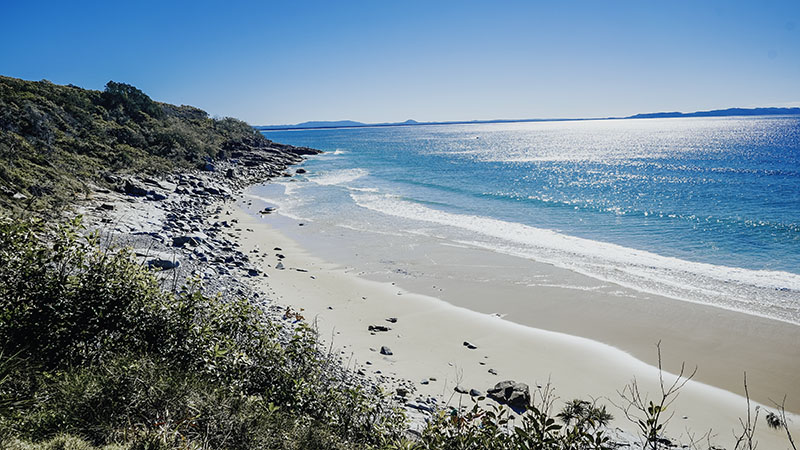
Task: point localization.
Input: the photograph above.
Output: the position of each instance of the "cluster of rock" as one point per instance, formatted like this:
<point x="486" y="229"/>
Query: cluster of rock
<point x="174" y="221"/>
<point x="176" y="224"/>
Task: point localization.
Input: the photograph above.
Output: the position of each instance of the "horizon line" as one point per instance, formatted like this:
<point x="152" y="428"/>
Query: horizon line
<point x="728" y="112"/>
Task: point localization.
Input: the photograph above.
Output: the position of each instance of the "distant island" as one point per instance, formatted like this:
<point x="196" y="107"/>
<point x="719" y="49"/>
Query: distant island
<point x="339" y="124"/>
<point x="768" y="111"/>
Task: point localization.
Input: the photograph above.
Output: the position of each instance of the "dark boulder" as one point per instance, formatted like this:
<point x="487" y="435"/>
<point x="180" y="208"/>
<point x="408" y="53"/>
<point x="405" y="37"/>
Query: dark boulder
<point x="163" y="264"/>
<point x="134" y="188"/>
<point x="180" y="241"/>
<point x="515" y="395"/>
<point x="156" y="196"/>
<point x="386" y="351"/>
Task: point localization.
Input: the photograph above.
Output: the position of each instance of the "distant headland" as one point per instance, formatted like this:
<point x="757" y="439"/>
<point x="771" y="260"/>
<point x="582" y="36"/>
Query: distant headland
<point x="768" y="111"/>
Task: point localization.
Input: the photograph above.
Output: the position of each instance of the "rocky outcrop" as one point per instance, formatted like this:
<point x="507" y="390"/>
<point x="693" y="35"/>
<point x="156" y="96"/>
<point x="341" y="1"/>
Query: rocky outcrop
<point x="163" y="263"/>
<point x="134" y="188"/>
<point x="516" y="395"/>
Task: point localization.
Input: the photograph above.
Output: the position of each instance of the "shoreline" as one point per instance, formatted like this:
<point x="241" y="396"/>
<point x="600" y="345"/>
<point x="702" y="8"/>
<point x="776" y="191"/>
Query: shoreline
<point x="722" y="343"/>
<point x="234" y="251"/>
<point x="437" y="320"/>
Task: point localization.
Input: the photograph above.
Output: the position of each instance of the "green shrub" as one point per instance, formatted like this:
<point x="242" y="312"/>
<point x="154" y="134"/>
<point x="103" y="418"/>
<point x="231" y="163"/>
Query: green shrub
<point x="64" y="442"/>
<point x="496" y="429"/>
<point x="103" y="353"/>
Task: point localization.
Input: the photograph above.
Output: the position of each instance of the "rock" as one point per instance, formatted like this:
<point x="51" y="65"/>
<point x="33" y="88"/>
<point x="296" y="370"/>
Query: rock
<point x="156" y="196"/>
<point x="279" y="266"/>
<point x="461" y="390"/>
<point x="475" y="393"/>
<point x="163" y="264"/>
<point x="420" y="406"/>
<point x="208" y="167"/>
<point x="520" y="397"/>
<point x="392" y="319"/>
<point x="230" y="173"/>
<point x="516" y="395"/>
<point x="253" y="272"/>
<point x="381" y="328"/>
<point x="492" y="371"/>
<point x="386" y="351"/>
<point x="402" y="392"/>
<point x="107" y="206"/>
<point x="133" y="188"/>
<point x="469" y="346"/>
<point x="300" y="171"/>
<point x="180" y="241"/>
<point x="161" y="184"/>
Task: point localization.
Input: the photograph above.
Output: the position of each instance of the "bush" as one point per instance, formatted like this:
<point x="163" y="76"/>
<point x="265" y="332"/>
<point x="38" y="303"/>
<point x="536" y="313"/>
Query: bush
<point x="103" y="353"/>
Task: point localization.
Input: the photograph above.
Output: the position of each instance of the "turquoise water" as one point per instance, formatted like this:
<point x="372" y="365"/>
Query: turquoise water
<point x="701" y="209"/>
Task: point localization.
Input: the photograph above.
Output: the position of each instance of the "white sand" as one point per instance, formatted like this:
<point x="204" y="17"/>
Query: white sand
<point x="427" y="342"/>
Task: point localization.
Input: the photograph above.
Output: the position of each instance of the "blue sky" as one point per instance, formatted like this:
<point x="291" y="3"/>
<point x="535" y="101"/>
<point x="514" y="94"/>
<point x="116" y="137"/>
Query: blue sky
<point x="292" y="61"/>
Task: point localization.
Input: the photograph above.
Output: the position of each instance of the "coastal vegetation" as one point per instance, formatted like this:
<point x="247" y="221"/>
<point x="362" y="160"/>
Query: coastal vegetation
<point x="93" y="347"/>
<point x="57" y="140"/>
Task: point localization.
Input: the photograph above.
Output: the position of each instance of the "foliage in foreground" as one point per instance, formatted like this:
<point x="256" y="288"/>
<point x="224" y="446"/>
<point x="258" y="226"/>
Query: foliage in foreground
<point x="94" y="348"/>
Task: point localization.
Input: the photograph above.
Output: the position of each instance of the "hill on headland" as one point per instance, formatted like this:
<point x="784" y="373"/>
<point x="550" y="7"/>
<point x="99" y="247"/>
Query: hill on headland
<point x="55" y="139"/>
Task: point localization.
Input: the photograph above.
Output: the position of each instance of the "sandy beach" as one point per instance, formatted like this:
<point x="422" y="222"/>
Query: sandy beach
<point x="590" y="354"/>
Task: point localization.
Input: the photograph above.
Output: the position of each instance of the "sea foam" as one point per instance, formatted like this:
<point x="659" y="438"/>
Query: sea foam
<point x="768" y="293"/>
<point x="339" y="176"/>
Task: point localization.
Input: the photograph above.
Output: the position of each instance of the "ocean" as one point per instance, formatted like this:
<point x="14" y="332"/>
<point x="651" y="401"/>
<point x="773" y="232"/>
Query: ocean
<point x="698" y="209"/>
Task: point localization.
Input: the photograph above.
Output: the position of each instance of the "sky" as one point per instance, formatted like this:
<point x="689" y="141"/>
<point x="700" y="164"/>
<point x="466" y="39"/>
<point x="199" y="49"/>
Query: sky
<point x="382" y="61"/>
